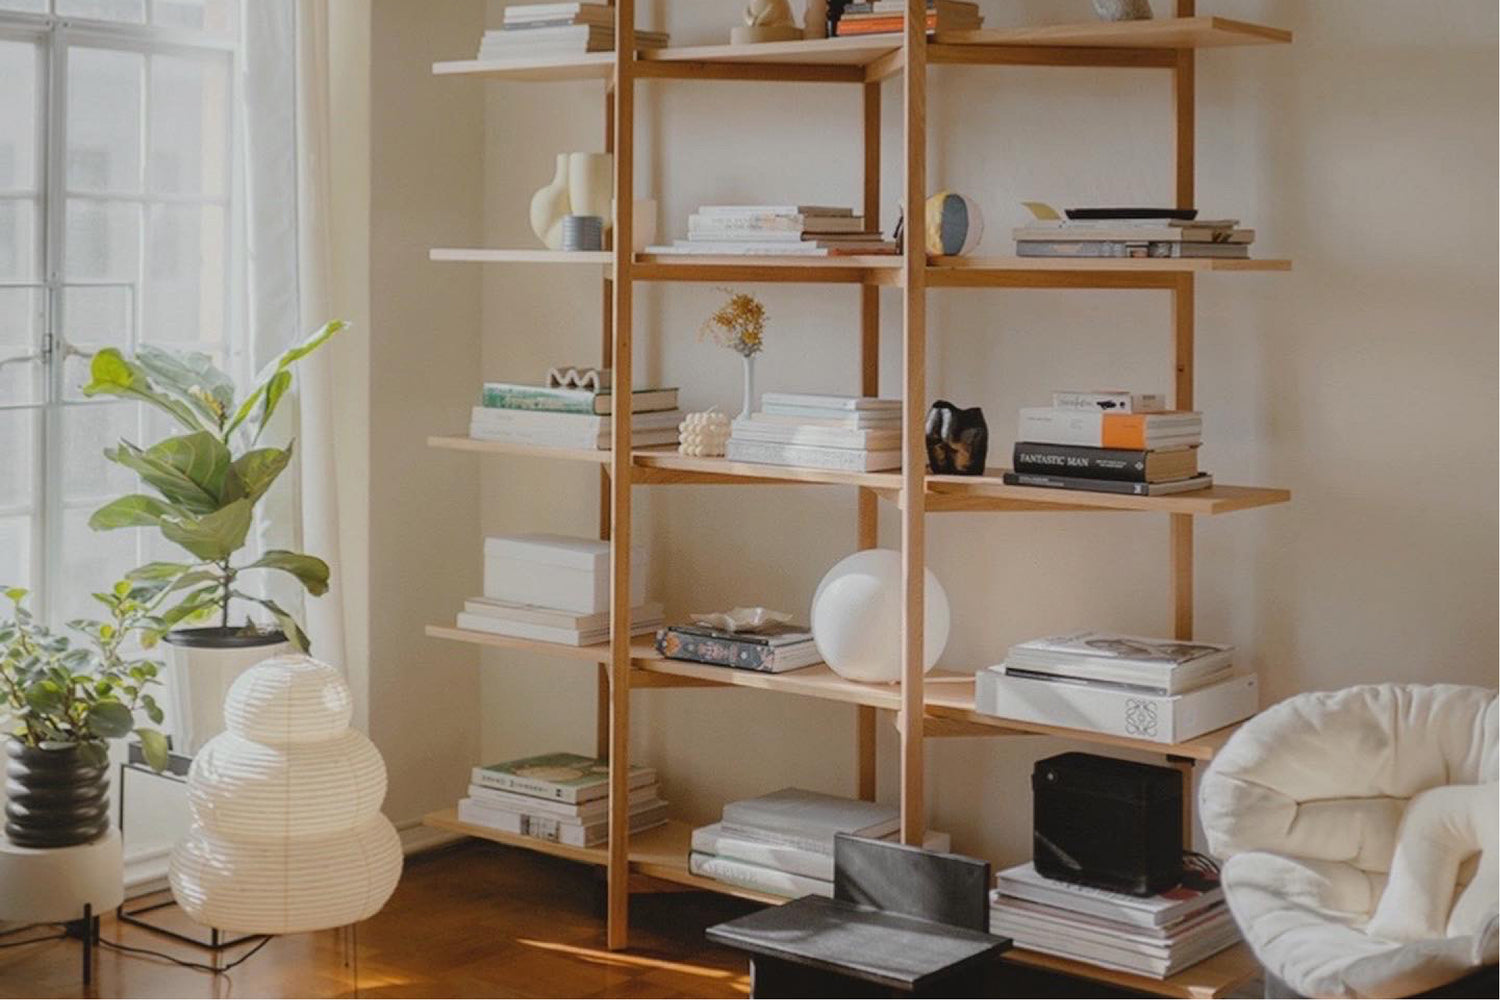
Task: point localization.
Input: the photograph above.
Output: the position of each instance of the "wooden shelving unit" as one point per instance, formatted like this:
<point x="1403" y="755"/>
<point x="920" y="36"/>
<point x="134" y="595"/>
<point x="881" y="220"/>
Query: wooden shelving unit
<point x="940" y="705"/>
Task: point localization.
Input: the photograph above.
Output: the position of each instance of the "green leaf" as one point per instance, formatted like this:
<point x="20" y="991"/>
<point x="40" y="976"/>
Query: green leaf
<point x="312" y="571"/>
<point x="45" y="696"/>
<point x="154" y="748"/>
<point x="201" y="600"/>
<point x="193" y="376"/>
<point x="196" y="578"/>
<point x="258" y="469"/>
<point x="152" y="709"/>
<point x="113" y="375"/>
<point x="110" y="719"/>
<point x="134" y="511"/>
<point x="173" y="484"/>
<point x="213" y="537"/>
<point x="284" y="620"/>
<point x="95" y="752"/>
<point x="156" y="571"/>
<point x="202" y="458"/>
<point x="275" y="389"/>
<point x="253" y="402"/>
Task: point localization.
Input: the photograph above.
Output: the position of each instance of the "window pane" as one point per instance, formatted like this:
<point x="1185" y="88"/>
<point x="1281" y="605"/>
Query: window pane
<point x="189" y="100"/>
<point x="18" y="115"/>
<point x="103" y="241"/>
<point x="91" y="560"/>
<point x="18" y="244"/>
<point x="104" y="120"/>
<point x="87" y="476"/>
<point x="30" y="6"/>
<point x="18" y="446"/>
<point x="210" y="15"/>
<point x="92" y="317"/>
<point x="105" y="10"/>
<point x="21" y="323"/>
<point x="184" y="295"/>
<point x="15" y="552"/>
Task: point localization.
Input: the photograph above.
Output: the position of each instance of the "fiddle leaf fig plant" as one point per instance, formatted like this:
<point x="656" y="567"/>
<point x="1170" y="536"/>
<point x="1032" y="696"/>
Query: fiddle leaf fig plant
<point x="58" y="694"/>
<point x="207" y="480"/>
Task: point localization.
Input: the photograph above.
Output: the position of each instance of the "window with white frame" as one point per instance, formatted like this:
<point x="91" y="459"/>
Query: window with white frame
<point x="118" y="226"/>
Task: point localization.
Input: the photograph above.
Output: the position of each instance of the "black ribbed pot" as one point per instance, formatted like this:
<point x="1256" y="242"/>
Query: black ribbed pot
<point x="54" y="798"/>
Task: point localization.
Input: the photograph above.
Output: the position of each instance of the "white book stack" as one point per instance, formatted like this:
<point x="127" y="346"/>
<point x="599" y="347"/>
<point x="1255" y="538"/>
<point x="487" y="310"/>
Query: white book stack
<point x="845" y="433"/>
<point x="1139" y="237"/>
<point x="550" y="416"/>
<point x="1155" y="936"/>
<point x="782" y="844"/>
<point x="549" y="30"/>
<point x="1163" y="690"/>
<point x="778" y="230"/>
<point x="555" y="588"/>
<point x="560" y="797"/>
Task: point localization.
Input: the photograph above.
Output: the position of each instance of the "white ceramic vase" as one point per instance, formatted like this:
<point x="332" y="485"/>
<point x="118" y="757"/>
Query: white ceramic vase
<point x="591" y="185"/>
<point x="202" y="665"/>
<point x="747" y="406"/>
<point x="550" y="205"/>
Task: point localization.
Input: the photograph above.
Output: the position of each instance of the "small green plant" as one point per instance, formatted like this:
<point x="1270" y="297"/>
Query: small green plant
<point x="58" y="694"/>
<point x="206" y="481"/>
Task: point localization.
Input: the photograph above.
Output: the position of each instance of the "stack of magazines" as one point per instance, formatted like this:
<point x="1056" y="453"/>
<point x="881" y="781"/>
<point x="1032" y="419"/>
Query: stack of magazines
<point x="552" y="30"/>
<point x="561" y="797"/>
<point x="1163" y="690"/>
<point x="1155" y="936"/>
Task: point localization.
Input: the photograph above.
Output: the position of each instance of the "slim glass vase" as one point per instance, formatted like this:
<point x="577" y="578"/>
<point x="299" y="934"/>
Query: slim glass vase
<point x="749" y="401"/>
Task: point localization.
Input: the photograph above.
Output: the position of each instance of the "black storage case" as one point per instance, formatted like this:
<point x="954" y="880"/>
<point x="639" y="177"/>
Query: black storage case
<point x="1112" y="824"/>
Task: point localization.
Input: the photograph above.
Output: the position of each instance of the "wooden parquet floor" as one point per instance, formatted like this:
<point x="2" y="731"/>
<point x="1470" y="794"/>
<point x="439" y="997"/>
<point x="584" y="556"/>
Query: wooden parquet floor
<point x="476" y="920"/>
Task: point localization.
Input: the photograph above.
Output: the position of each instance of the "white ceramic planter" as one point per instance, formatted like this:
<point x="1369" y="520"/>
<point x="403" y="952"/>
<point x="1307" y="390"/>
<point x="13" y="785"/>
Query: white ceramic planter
<point x="202" y="664"/>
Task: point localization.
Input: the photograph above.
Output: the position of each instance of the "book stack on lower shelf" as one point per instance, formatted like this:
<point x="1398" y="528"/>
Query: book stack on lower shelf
<point x="1154" y="936"/>
<point x="558" y="797"/>
<point x="1130" y="233"/>
<point x="554" y="588"/>
<point x="552" y="30"/>
<point x="550" y="416"/>
<point x="772" y="649"/>
<point x="782" y="844"/>
<point x="778" y="230"/>
<point x="1109" y="442"/>
<point x="1162" y="690"/>
<point x="847" y="433"/>
<point x="883" y="17"/>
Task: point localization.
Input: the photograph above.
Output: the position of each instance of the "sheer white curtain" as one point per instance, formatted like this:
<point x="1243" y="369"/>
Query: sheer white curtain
<point x="288" y="190"/>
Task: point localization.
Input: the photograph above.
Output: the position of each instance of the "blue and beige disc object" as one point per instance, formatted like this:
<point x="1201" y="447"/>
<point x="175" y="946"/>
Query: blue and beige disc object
<point x="954" y="224"/>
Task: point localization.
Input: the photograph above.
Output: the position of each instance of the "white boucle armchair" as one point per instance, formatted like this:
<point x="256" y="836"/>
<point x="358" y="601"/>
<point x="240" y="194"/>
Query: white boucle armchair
<point x="1357" y="830"/>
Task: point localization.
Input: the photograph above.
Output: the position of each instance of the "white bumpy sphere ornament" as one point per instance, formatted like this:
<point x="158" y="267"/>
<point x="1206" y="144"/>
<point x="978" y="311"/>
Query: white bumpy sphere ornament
<point x="856" y="618"/>
<point x="287" y="832"/>
<point x="703" y="435"/>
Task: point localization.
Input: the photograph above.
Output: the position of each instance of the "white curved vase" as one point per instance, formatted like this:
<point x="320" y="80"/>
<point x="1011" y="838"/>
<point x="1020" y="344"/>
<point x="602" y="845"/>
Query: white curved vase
<point x="287" y="832"/>
<point x="550" y="205"/>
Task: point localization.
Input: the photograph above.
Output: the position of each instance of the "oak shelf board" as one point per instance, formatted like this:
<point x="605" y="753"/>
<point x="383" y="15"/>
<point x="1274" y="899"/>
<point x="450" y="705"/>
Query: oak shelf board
<point x="483" y="255"/>
<point x="1215" y="976"/>
<point x="1162" y="33"/>
<point x="989" y="492"/>
<point x="584" y="66"/>
<point x="1081" y="272"/>
<point x="854" y="269"/>
<point x="667" y="467"/>
<point x="846" y="51"/>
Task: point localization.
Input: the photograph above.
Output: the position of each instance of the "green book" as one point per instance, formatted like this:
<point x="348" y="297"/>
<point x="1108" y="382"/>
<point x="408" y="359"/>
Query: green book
<point x="562" y="777"/>
<point x="516" y="396"/>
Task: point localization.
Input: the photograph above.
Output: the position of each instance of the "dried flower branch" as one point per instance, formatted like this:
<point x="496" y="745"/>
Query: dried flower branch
<point x="739" y="324"/>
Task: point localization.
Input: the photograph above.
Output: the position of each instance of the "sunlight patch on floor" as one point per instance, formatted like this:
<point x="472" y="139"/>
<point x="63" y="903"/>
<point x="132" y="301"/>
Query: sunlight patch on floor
<point x="637" y="961"/>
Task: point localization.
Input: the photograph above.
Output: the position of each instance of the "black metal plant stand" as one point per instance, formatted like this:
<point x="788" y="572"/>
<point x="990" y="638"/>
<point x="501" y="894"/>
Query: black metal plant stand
<point x="85" y="929"/>
<point x="177" y="770"/>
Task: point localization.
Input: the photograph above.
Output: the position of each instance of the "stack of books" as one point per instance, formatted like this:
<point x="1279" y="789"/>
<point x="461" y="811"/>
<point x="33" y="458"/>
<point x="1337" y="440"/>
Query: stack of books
<point x="1109" y="442"/>
<point x="847" y="433"/>
<point x="779" y="230"/>
<point x="560" y="797"/>
<point x="774" y="649"/>
<point x="782" y="844"/>
<point x="879" y="17"/>
<point x="1134" y="237"/>
<point x="556" y="417"/>
<point x="555" y="588"/>
<point x="1162" y="690"/>
<point x="1155" y="936"/>
<point x="549" y="30"/>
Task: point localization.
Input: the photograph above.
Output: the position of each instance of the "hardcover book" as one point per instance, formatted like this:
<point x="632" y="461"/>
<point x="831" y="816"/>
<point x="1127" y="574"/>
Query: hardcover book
<point x="1169" y="665"/>
<point x="1177" y="903"/>
<point x="1110" y="401"/>
<point x="1118" y="710"/>
<point x="1124" y="465"/>
<point x="757" y="879"/>
<point x="553" y="828"/>
<point x="809" y="457"/>
<point x="741" y="650"/>
<point x="520" y="396"/>
<point x="1202" y="481"/>
<point x="794" y="814"/>
<point x="712" y="840"/>
<point x="1098" y="429"/>
<point x="566" y="777"/>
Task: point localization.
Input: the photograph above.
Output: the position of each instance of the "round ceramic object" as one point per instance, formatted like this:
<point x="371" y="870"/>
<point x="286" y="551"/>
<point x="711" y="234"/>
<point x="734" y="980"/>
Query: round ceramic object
<point x="856" y="617"/>
<point x="955" y="224"/>
<point x="53" y="884"/>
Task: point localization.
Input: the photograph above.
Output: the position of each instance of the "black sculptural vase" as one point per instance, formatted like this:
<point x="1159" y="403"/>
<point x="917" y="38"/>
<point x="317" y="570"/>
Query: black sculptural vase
<point x="958" y="441"/>
<point x="54" y="797"/>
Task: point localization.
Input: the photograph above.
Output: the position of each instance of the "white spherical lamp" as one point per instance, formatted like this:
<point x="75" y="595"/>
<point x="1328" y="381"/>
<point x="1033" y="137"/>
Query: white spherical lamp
<point x="287" y="833"/>
<point x="856" y="617"/>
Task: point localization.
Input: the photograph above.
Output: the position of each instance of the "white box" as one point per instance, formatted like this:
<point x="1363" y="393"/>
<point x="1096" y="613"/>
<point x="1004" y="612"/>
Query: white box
<point x="1159" y="718"/>
<point x="557" y="571"/>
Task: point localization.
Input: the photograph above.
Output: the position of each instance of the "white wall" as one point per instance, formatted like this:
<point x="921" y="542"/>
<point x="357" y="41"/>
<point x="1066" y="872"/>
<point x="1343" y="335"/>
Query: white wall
<point x="1364" y="380"/>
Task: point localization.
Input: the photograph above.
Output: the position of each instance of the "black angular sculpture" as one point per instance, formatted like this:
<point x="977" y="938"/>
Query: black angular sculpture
<point x="958" y="441"/>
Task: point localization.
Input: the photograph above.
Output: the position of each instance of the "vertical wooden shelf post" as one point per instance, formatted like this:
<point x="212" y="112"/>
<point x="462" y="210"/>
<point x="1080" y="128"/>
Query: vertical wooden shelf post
<point x="618" y="876"/>
<point x="606" y="360"/>
<point x="913" y="403"/>
<point x="869" y="385"/>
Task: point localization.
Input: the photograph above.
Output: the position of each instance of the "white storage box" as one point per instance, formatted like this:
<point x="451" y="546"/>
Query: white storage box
<point x="557" y="571"/>
<point x="1160" y="718"/>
